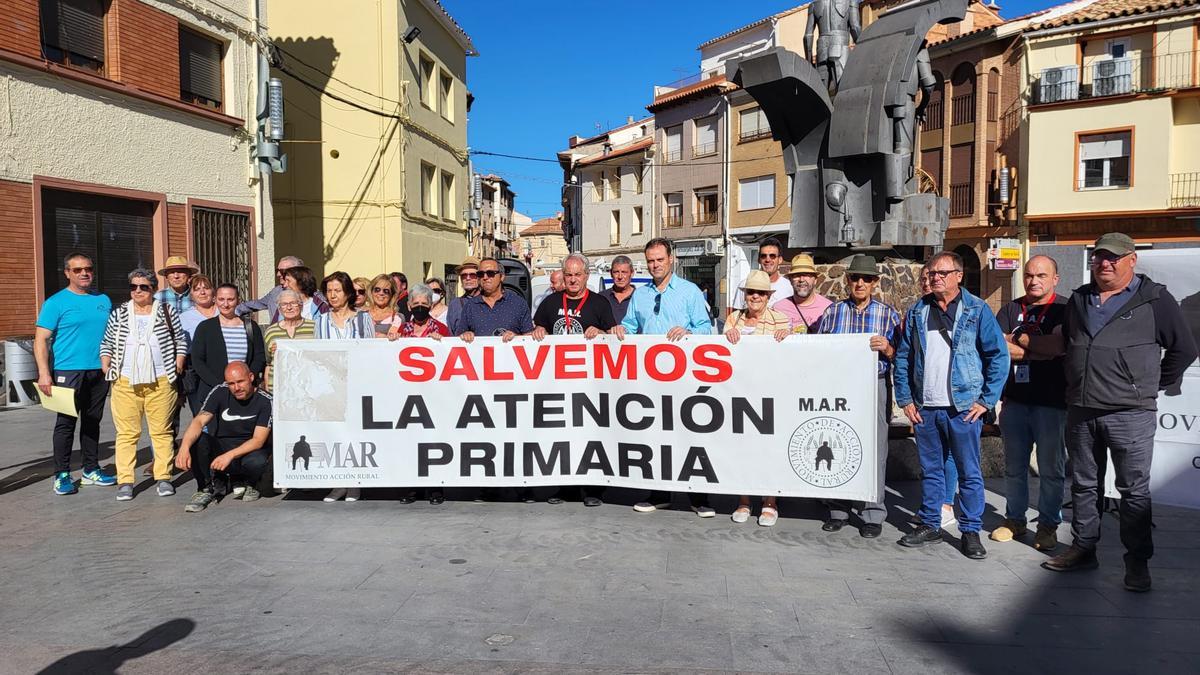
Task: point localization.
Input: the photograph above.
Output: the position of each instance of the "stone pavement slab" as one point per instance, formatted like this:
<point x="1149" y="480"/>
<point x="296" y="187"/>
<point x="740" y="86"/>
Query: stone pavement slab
<point x="297" y="585"/>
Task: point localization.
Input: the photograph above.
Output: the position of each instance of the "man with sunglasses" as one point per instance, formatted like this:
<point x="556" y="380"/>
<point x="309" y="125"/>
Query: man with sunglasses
<point x="862" y="313"/>
<point x="770" y="257"/>
<point x="468" y="280"/>
<point x="1125" y="339"/>
<point x="496" y="310"/>
<point x="75" y="319"/>
<point x="675" y="308"/>
<point x="951" y="365"/>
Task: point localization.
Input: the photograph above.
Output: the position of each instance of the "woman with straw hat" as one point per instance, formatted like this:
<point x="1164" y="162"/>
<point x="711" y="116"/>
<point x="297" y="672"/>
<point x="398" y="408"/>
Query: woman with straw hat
<point x="757" y="319"/>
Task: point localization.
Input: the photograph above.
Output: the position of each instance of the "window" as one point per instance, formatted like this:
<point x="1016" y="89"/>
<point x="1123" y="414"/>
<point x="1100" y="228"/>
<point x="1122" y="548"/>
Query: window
<point x="756" y="193"/>
<point x="446" y="97"/>
<point x="1117" y="48"/>
<point x="674" y="151"/>
<point x="426" y="82"/>
<point x="222" y="240"/>
<point x="117" y="233"/>
<point x="673" y="209"/>
<point x="1105" y="160"/>
<point x="636" y="225"/>
<point x="706" y="137"/>
<point x="752" y="125"/>
<point x="614" y="184"/>
<point x="429" y="201"/>
<point x="447" y="196"/>
<point x="706" y="205"/>
<point x="614" y="228"/>
<point x="200" y="79"/>
<point x="73" y="33"/>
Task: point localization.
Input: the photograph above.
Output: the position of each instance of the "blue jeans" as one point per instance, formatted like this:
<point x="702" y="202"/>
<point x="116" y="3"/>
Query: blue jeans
<point x="1025" y="427"/>
<point x="943" y="433"/>
<point x="951" y="481"/>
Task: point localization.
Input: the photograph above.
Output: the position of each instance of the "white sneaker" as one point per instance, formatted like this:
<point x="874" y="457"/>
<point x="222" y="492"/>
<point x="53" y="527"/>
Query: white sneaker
<point x="740" y="514"/>
<point x="705" y="511"/>
<point x="335" y="494"/>
<point x="238" y="491"/>
<point x="647" y="507"/>
<point x="353" y="494"/>
<point x="948" y="518"/>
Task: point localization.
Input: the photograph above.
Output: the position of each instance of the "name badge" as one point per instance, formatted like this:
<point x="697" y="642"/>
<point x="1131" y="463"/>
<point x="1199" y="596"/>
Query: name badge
<point x="1021" y="373"/>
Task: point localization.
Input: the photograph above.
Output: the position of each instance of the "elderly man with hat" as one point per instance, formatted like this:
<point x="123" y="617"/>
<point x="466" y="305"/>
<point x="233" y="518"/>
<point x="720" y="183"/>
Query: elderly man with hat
<point x="860" y="312"/>
<point x="468" y="280"/>
<point x="177" y="292"/>
<point x="1125" y="340"/>
<point x="805" y="305"/>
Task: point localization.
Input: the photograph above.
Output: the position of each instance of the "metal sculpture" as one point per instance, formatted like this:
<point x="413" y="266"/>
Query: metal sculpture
<point x="854" y="184"/>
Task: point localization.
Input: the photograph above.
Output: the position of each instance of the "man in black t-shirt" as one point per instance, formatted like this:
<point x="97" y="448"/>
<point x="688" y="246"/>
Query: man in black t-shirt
<point x="229" y="437"/>
<point x="574" y="311"/>
<point x="1034" y="413"/>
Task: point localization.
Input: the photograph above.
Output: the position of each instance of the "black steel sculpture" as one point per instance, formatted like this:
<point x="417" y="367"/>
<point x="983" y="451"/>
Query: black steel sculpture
<point x="854" y="185"/>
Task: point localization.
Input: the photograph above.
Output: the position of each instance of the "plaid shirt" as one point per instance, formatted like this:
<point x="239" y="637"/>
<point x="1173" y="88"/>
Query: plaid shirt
<point x="877" y="319"/>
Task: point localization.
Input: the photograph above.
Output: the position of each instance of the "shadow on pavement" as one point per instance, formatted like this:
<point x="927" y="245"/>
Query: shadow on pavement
<point x="109" y="659"/>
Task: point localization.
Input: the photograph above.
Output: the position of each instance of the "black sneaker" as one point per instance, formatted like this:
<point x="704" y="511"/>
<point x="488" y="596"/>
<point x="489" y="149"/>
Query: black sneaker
<point x="833" y="525"/>
<point x="972" y="547"/>
<point x="921" y="536"/>
<point x="1073" y="559"/>
<point x="1137" y="574"/>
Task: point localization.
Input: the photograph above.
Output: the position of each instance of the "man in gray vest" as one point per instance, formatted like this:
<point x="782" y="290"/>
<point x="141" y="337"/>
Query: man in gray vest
<point x="838" y="23"/>
<point x="1125" y="339"/>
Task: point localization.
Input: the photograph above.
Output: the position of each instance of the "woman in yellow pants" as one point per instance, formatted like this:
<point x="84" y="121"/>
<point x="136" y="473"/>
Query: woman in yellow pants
<point x="142" y="354"/>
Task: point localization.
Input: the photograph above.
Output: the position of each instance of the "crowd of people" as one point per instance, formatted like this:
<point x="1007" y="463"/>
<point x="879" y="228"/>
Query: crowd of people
<point x="1074" y="375"/>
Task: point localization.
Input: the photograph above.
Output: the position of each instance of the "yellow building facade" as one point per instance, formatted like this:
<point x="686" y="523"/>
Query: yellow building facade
<point x="376" y="104"/>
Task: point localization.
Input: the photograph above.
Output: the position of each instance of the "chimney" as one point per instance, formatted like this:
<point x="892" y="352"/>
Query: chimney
<point x="573" y="141"/>
<point x="629" y="119"/>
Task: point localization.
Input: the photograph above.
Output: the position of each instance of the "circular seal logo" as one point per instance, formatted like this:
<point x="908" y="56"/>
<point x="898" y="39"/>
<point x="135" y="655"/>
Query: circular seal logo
<point x="825" y="452"/>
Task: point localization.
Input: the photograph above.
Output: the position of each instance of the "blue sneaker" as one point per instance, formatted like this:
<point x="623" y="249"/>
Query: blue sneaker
<point x="64" y="484"/>
<point x="97" y="477"/>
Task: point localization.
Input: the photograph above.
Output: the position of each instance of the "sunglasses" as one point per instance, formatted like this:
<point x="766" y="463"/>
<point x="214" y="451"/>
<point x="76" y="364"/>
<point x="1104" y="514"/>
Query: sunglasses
<point x="657" y="303"/>
<point x="359" y="291"/>
<point x="435" y="289"/>
<point x="488" y="273"/>
<point x="140" y="287"/>
<point x="768" y="256"/>
<point x="468" y="275"/>
<point x="859" y="277"/>
<point x="1100" y="257"/>
<point x="81" y="270"/>
<point x="388" y="291"/>
<point x="753" y="292"/>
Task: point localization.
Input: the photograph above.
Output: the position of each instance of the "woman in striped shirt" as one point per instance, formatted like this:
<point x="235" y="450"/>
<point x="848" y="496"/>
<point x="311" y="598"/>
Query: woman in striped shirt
<point x="292" y="326"/>
<point x="221" y="340"/>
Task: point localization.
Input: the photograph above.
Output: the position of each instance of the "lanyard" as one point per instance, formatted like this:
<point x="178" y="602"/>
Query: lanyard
<point x="567" y="315"/>
<point x="1041" y="315"/>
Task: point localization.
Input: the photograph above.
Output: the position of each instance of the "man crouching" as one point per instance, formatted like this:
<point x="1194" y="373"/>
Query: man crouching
<point x="229" y="438"/>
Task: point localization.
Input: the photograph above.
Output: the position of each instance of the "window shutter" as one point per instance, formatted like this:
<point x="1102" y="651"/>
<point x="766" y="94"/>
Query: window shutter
<point x="81" y="28"/>
<point x="1104" y="146"/>
<point x="199" y="66"/>
<point x="706" y="133"/>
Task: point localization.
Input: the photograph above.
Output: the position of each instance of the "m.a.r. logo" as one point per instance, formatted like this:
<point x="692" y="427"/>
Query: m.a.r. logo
<point x="341" y="455"/>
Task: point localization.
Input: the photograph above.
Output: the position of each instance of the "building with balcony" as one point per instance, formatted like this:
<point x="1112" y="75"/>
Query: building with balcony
<point x="127" y="134"/>
<point x="1113" y="89"/>
<point x="377" y="102"/>
<point x="494" y="236"/>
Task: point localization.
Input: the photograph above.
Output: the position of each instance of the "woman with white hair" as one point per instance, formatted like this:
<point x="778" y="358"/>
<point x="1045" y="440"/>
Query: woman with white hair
<point x="142" y="354"/>
<point x="420" y="320"/>
<point x="291" y="326"/>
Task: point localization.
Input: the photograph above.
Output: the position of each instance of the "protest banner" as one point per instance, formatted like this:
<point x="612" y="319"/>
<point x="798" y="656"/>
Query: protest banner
<point x="796" y="418"/>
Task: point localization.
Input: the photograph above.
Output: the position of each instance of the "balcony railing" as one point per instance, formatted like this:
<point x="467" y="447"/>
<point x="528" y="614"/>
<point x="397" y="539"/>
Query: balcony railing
<point x="672" y="156"/>
<point x="962" y="199"/>
<point x="754" y="134"/>
<point x="672" y="220"/>
<point x="993" y="106"/>
<point x="706" y="217"/>
<point x="1185" y="190"/>
<point x="935" y="115"/>
<point x="962" y="109"/>
<point x="1104" y="76"/>
<point x="704" y="149"/>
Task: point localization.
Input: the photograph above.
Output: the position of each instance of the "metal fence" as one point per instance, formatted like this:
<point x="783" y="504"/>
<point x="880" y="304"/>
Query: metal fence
<point x="1104" y="76"/>
<point x="962" y="201"/>
<point x="1185" y="190"/>
<point x="221" y="241"/>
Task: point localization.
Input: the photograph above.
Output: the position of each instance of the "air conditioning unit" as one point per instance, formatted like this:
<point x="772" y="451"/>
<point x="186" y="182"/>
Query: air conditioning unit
<point x="1058" y="84"/>
<point x="714" y="247"/>
<point x="1111" y="77"/>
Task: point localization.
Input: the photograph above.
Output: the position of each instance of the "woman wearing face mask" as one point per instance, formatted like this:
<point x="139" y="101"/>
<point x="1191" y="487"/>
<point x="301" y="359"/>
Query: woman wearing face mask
<point x="221" y="340"/>
<point x="384" y="316"/>
<point x="421" y="322"/>
<point x="440" y="302"/>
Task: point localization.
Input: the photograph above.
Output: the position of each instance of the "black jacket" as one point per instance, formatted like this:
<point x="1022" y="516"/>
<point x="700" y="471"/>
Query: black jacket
<point x="209" y="357"/>
<point x="1144" y="348"/>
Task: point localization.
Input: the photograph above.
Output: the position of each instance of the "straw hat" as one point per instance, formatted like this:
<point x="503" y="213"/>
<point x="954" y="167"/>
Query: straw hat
<point x="758" y="281"/>
<point x="469" y="261"/>
<point x="802" y="264"/>
<point x="178" y="263"/>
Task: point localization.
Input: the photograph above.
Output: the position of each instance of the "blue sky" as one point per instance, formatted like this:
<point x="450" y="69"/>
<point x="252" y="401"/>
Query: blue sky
<point x="550" y="69"/>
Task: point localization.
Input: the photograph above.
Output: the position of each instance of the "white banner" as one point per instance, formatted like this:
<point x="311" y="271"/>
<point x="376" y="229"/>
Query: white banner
<point x="796" y="418"/>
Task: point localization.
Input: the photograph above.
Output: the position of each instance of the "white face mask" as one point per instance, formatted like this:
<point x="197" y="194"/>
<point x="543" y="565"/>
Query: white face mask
<point x="437" y="297"/>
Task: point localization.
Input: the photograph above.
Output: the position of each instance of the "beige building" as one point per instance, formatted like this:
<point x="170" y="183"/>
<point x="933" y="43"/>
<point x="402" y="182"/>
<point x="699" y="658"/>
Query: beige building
<point x="1113" y="127"/>
<point x="377" y="108"/>
<point x="542" y="245"/>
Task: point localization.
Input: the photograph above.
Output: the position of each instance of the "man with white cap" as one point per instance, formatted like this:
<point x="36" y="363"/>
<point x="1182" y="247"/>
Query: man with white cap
<point x="804" y="305"/>
<point x="177" y="292"/>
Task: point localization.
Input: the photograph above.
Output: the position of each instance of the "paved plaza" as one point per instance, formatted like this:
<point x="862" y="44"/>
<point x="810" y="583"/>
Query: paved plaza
<point x="297" y="585"/>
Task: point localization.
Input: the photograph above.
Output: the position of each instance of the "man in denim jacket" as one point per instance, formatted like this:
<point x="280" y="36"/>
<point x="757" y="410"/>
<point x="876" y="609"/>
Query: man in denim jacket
<point x="951" y="365"/>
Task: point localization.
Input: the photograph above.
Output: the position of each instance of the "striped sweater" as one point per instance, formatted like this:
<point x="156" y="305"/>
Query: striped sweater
<point x="167" y="330"/>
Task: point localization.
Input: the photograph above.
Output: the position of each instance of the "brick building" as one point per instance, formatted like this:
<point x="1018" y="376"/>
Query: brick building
<point x="128" y="135"/>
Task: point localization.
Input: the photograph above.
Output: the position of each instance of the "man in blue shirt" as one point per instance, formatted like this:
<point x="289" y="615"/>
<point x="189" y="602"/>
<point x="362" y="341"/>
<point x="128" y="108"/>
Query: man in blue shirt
<point x="673" y="307"/>
<point x="75" y="318"/>
<point x="177" y="292"/>
<point x="495" y="311"/>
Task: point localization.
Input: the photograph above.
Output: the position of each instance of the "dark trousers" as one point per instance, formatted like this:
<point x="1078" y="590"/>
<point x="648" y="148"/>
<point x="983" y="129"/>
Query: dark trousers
<point x="250" y="467"/>
<point x="875" y="513"/>
<point x="90" y="392"/>
<point x="1129" y="436"/>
